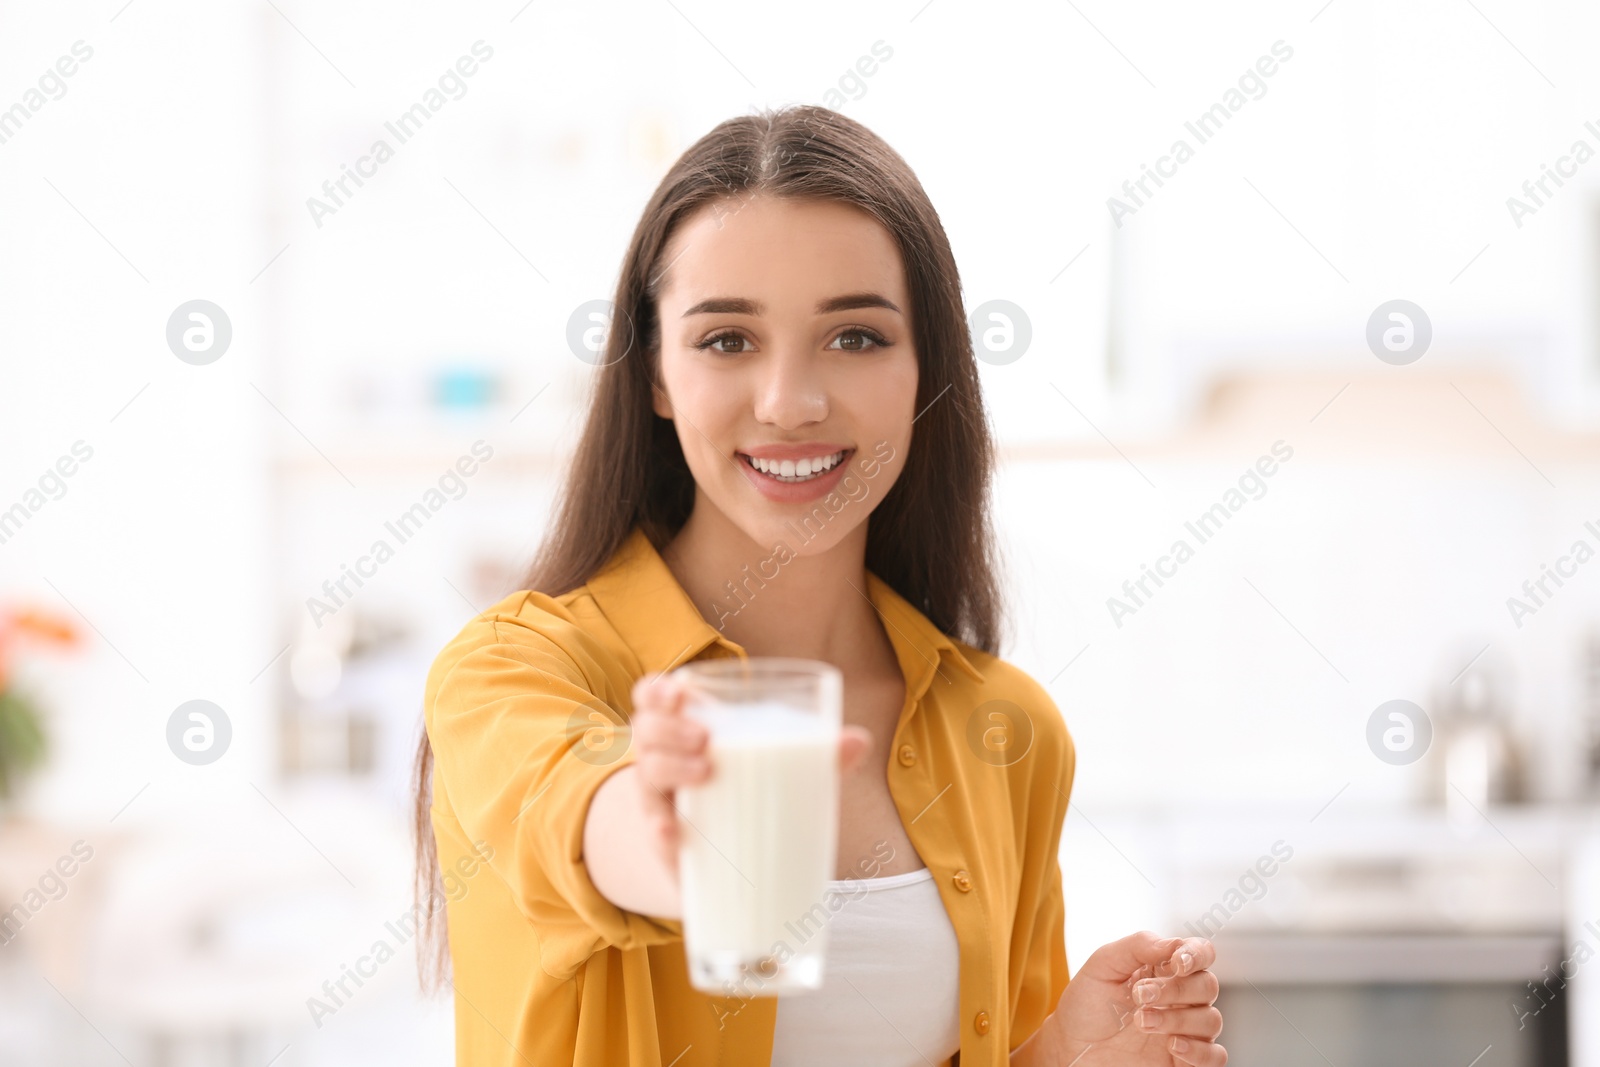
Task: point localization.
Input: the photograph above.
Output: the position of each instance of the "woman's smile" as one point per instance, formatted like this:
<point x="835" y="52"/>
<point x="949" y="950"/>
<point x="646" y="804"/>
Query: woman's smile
<point x="795" y="473"/>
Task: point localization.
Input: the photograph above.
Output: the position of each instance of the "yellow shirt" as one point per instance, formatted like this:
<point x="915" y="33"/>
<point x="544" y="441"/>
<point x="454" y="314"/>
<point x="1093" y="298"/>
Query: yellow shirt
<point x="519" y="707"/>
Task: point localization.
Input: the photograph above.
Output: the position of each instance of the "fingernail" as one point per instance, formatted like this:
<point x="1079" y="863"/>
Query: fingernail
<point x="1147" y="1020"/>
<point x="1145" y="991"/>
<point x="1180" y="1044"/>
<point x="1185" y="961"/>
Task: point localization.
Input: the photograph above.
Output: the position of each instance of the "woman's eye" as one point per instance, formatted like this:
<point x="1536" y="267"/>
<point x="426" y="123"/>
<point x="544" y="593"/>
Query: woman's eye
<point x="851" y="340"/>
<point x="857" y="340"/>
<point x="716" y="343"/>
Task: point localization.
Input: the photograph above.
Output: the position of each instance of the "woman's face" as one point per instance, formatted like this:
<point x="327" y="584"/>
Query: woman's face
<point x="786" y="345"/>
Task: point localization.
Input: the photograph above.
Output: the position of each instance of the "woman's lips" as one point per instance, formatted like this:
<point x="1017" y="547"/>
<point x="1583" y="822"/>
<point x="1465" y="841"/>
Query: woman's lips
<point x="793" y="492"/>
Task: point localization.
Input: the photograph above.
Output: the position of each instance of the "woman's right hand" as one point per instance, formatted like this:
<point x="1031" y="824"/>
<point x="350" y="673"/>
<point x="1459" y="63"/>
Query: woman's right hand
<point x="671" y="750"/>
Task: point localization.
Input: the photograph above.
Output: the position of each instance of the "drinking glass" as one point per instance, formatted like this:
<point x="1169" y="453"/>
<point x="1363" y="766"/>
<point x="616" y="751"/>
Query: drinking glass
<point x="759" y="838"/>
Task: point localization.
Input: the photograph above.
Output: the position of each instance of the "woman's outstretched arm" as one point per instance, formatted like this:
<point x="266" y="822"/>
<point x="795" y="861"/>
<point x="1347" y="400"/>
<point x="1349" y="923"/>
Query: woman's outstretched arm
<point x="621" y="845"/>
<point x="630" y="836"/>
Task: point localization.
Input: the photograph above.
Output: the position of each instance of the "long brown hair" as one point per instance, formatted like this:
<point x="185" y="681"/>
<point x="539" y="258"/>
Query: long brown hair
<point x="930" y="537"/>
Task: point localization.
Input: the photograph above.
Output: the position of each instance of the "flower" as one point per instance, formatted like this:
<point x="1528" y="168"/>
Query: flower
<point x="22" y="740"/>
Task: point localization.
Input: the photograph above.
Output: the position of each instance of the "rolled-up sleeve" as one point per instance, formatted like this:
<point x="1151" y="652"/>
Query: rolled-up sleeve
<point x="526" y="724"/>
<point x="1038" y="941"/>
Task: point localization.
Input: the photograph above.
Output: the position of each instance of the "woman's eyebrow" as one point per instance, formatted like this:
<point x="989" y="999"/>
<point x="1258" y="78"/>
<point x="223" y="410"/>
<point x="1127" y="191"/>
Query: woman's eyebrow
<point x="852" y="301"/>
<point x="733" y="305"/>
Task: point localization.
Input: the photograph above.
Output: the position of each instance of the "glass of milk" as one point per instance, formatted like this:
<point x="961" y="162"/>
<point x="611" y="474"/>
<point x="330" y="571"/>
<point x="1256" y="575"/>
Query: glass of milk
<point x="759" y="838"/>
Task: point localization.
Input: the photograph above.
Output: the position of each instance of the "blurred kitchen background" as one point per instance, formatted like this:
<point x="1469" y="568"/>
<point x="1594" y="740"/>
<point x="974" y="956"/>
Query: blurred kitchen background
<point x="1387" y="883"/>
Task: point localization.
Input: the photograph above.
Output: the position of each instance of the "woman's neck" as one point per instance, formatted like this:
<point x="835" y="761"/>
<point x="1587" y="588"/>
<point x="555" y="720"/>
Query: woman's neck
<point x="781" y="603"/>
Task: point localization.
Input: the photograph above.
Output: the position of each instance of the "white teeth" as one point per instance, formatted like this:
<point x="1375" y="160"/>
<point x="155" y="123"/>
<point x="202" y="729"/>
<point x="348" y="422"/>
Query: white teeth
<point x="796" y="471"/>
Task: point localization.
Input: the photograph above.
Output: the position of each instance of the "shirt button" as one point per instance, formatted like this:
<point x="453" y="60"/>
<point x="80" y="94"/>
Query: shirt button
<point x="980" y="1022"/>
<point x="963" y="881"/>
<point x="908" y="755"/>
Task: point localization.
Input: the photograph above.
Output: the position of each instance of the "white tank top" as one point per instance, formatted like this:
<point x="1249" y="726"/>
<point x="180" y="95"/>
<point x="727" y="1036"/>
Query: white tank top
<point x="891" y="993"/>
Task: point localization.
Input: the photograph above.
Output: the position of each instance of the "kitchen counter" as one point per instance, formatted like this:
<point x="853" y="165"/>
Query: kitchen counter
<point x="1368" y="896"/>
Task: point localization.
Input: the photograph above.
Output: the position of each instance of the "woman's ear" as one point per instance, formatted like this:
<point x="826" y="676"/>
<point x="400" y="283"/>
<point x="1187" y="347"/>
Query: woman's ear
<point x="659" y="402"/>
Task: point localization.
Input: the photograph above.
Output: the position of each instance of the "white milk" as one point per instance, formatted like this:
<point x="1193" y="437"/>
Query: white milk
<point x="758" y="843"/>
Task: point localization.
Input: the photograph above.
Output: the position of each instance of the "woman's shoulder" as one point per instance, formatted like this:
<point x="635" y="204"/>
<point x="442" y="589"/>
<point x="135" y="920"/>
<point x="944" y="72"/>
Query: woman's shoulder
<point x="522" y="613"/>
<point x="1008" y="690"/>
<point x="568" y="629"/>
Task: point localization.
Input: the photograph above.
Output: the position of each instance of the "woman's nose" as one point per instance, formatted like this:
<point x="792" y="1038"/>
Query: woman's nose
<point x="790" y="389"/>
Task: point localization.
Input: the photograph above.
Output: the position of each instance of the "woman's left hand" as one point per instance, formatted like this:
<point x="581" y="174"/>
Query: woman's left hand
<point x="1142" y="1001"/>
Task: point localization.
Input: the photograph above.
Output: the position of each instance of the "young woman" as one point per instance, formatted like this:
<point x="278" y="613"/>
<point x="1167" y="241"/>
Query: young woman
<point x="787" y="455"/>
